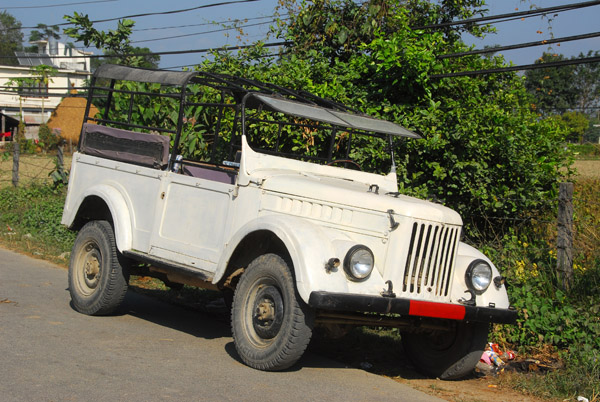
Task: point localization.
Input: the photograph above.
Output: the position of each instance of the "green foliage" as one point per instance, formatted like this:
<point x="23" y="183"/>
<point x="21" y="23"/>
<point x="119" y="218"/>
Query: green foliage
<point x="36" y="210"/>
<point x="548" y="315"/>
<point x="485" y="152"/>
<point x="11" y="38"/>
<point x="558" y="89"/>
<point x="576" y="124"/>
<point x="146" y="60"/>
<point x="552" y="87"/>
<point x="49" y="138"/>
<point x="44" y="32"/>
<point x="116" y="44"/>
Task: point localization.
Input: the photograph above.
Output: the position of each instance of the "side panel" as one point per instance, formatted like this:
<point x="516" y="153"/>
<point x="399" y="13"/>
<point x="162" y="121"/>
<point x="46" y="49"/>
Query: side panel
<point x="191" y="220"/>
<point x="129" y="191"/>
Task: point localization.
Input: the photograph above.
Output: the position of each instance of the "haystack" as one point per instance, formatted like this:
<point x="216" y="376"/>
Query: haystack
<point x="68" y="117"/>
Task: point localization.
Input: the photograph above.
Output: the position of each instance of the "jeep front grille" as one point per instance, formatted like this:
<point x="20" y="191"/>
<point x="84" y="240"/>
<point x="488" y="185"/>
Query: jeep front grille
<point x="430" y="260"/>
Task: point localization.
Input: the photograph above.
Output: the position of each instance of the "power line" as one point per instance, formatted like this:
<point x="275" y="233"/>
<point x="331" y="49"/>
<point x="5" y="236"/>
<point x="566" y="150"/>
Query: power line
<point x="203" y="32"/>
<point x="223" y="3"/>
<point x="190" y="51"/>
<point x="208" y="23"/>
<point x="523" y="67"/>
<point x="565" y="7"/>
<point x="264" y="56"/>
<point x="60" y="5"/>
<point x="520" y="45"/>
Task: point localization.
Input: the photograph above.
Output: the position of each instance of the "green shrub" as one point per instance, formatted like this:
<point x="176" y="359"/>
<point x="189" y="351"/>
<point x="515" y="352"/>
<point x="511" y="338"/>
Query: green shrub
<point x="49" y="138"/>
<point x="36" y="210"/>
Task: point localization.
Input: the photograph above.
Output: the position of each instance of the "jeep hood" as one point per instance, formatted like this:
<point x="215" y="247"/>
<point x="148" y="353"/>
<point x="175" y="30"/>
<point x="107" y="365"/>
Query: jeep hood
<point x="354" y="194"/>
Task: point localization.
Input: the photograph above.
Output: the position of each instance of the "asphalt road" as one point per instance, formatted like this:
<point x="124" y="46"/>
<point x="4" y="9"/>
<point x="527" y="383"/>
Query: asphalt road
<point x="150" y="351"/>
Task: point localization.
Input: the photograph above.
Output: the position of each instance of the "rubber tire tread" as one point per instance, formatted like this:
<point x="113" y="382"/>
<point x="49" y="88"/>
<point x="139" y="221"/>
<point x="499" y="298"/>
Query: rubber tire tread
<point x="112" y="287"/>
<point x="293" y="337"/>
<point x="454" y="363"/>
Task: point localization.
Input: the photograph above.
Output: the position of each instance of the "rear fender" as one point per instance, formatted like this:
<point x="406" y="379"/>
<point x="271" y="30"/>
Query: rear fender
<point x="119" y="210"/>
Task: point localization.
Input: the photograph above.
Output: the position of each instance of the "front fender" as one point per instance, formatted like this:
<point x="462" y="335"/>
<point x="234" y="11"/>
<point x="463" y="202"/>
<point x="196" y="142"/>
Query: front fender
<point x="117" y="205"/>
<point x="493" y="295"/>
<point x="310" y="247"/>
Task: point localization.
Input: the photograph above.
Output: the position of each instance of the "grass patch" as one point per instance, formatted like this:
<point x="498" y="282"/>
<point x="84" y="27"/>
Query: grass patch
<point x="30" y="222"/>
<point x="586" y="151"/>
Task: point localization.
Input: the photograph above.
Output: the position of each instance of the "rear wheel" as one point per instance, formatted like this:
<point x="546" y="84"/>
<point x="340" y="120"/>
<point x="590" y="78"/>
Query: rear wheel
<point x="271" y="325"/>
<point x="98" y="274"/>
<point x="447" y="355"/>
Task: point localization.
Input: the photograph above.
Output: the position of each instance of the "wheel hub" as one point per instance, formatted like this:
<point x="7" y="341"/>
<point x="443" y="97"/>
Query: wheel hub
<point x="267" y="316"/>
<point x="91" y="267"/>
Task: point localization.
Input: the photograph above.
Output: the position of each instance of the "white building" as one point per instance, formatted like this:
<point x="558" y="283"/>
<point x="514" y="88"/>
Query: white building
<point x="73" y="69"/>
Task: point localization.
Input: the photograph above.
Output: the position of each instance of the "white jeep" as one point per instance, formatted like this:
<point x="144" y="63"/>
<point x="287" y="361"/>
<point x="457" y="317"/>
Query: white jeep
<point x="255" y="190"/>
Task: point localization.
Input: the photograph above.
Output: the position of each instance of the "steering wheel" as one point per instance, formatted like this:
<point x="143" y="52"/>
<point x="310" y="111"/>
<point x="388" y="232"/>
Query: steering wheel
<point x="345" y="161"/>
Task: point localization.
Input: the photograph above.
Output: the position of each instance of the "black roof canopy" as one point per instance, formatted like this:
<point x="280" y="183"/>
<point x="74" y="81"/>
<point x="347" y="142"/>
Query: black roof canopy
<point x="254" y="93"/>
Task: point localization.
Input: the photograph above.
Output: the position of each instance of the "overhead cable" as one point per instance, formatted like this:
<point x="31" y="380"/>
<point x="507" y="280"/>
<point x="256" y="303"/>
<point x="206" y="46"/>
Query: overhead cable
<point x="59" y="5"/>
<point x="203" y="32"/>
<point x="520" y="45"/>
<point x="561" y="63"/>
<point x="209" y="23"/>
<point x="205" y="50"/>
<point x="223" y="3"/>
<point x="564" y="7"/>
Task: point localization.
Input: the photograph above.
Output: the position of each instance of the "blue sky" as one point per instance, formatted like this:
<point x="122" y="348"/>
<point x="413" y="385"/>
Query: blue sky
<point x="564" y="24"/>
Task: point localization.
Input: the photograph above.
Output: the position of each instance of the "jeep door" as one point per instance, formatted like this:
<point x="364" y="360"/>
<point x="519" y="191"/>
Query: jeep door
<point x="193" y="217"/>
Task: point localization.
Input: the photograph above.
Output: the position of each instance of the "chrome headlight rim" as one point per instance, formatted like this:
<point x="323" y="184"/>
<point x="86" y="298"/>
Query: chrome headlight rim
<point x="471" y="273"/>
<point x="350" y="263"/>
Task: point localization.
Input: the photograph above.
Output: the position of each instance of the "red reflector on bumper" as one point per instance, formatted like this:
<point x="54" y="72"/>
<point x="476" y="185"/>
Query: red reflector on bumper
<point x="436" y="310"/>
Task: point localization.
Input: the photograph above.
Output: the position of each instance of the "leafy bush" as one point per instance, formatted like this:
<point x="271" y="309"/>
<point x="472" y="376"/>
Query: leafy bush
<point x="49" y="138"/>
<point x="36" y="210"/>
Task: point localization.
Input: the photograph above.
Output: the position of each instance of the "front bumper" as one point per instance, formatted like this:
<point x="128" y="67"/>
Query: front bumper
<point x="408" y="307"/>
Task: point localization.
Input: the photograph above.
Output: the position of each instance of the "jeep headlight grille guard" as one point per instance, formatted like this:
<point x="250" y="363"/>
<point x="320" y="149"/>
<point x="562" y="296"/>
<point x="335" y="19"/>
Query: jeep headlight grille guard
<point x="430" y="262"/>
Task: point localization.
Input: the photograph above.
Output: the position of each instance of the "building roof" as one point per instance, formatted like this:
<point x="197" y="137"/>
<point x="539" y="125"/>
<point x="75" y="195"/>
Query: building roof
<point x="34" y="59"/>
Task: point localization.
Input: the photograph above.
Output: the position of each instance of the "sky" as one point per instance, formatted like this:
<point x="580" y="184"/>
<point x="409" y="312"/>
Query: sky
<point x="32" y="12"/>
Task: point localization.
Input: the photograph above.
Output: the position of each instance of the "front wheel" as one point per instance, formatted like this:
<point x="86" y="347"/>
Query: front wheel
<point x="98" y="274"/>
<point x="447" y="355"/>
<point x="271" y="325"/>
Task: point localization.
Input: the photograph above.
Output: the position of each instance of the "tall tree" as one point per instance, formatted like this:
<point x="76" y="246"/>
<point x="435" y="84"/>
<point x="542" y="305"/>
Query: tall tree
<point x="485" y="152"/>
<point x="116" y="44"/>
<point x="587" y="84"/>
<point x="552" y="87"/>
<point x="11" y="38"/>
<point x="559" y="89"/>
<point x="147" y="61"/>
<point x="44" y="32"/>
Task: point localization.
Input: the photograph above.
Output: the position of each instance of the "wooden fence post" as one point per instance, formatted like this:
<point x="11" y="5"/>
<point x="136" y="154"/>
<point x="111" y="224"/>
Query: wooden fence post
<point x="15" y="169"/>
<point x="60" y="160"/>
<point x="564" y="241"/>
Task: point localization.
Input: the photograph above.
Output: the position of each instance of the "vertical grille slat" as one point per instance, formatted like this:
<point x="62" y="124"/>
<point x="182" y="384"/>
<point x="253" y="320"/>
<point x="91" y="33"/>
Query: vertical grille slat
<point x="430" y="260"/>
<point x="424" y="259"/>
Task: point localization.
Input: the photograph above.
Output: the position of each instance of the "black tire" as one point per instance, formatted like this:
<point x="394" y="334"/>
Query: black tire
<point x="98" y="274"/>
<point x="447" y="355"/>
<point x="271" y="325"/>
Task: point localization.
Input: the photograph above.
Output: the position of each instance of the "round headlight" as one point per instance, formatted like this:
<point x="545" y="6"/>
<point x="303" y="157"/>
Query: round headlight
<point x="478" y="276"/>
<point x="359" y="263"/>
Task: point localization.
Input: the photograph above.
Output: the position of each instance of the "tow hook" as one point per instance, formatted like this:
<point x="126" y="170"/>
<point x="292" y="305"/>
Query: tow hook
<point x="470" y="302"/>
<point x="393" y="223"/>
<point x="390" y="290"/>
